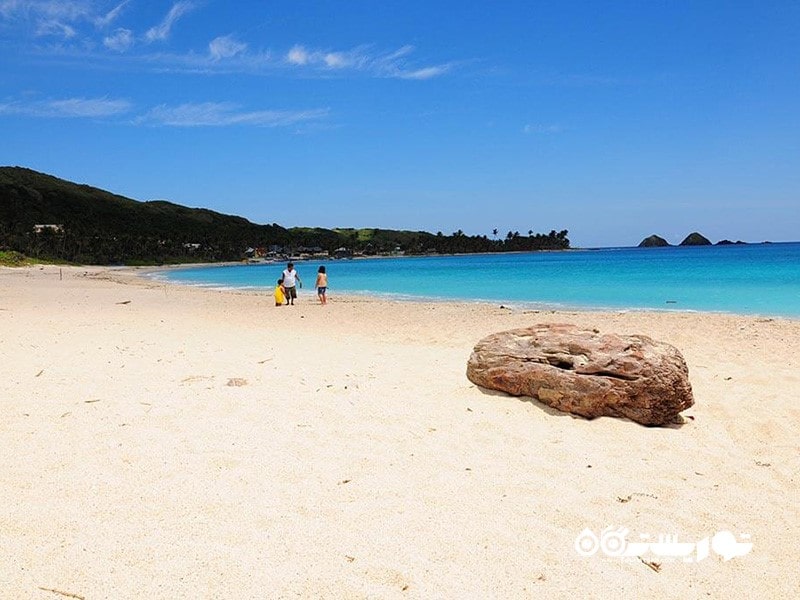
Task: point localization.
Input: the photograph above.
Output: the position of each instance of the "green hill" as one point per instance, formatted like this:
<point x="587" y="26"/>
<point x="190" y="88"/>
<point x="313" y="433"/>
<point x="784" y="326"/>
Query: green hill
<point x="52" y="219"/>
<point x="96" y="226"/>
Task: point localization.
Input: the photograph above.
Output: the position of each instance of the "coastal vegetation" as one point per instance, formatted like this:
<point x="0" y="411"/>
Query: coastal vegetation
<point x="48" y="218"/>
<point x="14" y="259"/>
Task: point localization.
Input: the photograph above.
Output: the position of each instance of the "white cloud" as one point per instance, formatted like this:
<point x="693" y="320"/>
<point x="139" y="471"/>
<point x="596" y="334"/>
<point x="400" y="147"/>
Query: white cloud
<point x="393" y="64"/>
<point x="119" y="41"/>
<point x="68" y="108"/>
<point x="52" y="9"/>
<point x="396" y="64"/>
<point x="335" y="60"/>
<point x="162" y="30"/>
<point x="225" y="47"/>
<point x="91" y="107"/>
<point x="425" y="73"/>
<point x="54" y="27"/>
<point x="532" y="129"/>
<point x="204" y="114"/>
<point x="57" y="17"/>
<point x="298" y="55"/>
<point x="110" y="16"/>
<point x="399" y="53"/>
<point x="68" y="19"/>
<point x="218" y="114"/>
<point x="65" y="9"/>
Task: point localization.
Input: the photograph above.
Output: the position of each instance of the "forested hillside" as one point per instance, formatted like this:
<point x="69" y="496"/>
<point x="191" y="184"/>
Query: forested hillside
<point x="52" y="219"/>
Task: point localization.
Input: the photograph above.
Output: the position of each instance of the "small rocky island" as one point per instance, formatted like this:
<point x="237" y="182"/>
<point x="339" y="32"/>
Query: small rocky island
<point x="653" y="241"/>
<point x="693" y="239"/>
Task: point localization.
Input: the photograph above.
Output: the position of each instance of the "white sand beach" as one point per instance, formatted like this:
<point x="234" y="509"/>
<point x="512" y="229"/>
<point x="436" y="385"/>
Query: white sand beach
<point x="161" y="441"/>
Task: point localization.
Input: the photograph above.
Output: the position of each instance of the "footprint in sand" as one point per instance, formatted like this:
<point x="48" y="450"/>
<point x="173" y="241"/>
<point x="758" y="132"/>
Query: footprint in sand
<point x="197" y="379"/>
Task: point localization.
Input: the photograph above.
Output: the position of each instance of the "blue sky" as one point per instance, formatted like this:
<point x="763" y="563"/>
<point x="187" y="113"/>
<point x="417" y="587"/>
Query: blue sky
<point x="612" y="119"/>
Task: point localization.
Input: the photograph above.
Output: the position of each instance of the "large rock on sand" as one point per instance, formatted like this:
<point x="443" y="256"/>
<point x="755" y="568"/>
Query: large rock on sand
<point x="582" y="372"/>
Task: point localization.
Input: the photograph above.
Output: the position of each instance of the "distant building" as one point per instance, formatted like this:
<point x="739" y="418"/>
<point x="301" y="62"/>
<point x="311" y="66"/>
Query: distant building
<point x="48" y="227"/>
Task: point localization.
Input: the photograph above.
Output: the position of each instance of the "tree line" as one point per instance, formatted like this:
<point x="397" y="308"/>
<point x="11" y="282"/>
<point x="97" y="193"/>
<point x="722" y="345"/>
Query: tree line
<point x="52" y="219"/>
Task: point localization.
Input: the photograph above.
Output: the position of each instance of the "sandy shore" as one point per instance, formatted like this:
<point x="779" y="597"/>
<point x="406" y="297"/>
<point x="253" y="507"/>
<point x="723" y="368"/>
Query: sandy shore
<point x="167" y="442"/>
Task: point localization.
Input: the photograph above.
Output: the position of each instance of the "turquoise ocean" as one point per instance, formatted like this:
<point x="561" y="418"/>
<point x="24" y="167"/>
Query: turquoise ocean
<point x="745" y="279"/>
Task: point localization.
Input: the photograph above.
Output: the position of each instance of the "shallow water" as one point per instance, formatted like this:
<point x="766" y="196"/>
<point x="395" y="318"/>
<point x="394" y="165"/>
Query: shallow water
<point x="745" y="279"/>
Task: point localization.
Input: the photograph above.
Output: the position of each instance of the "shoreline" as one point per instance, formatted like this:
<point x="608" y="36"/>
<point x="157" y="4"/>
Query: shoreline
<point x="145" y="272"/>
<point x="163" y="440"/>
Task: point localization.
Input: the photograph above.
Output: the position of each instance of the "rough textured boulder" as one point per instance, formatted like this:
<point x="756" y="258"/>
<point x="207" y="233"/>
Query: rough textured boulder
<point x="582" y="372"/>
